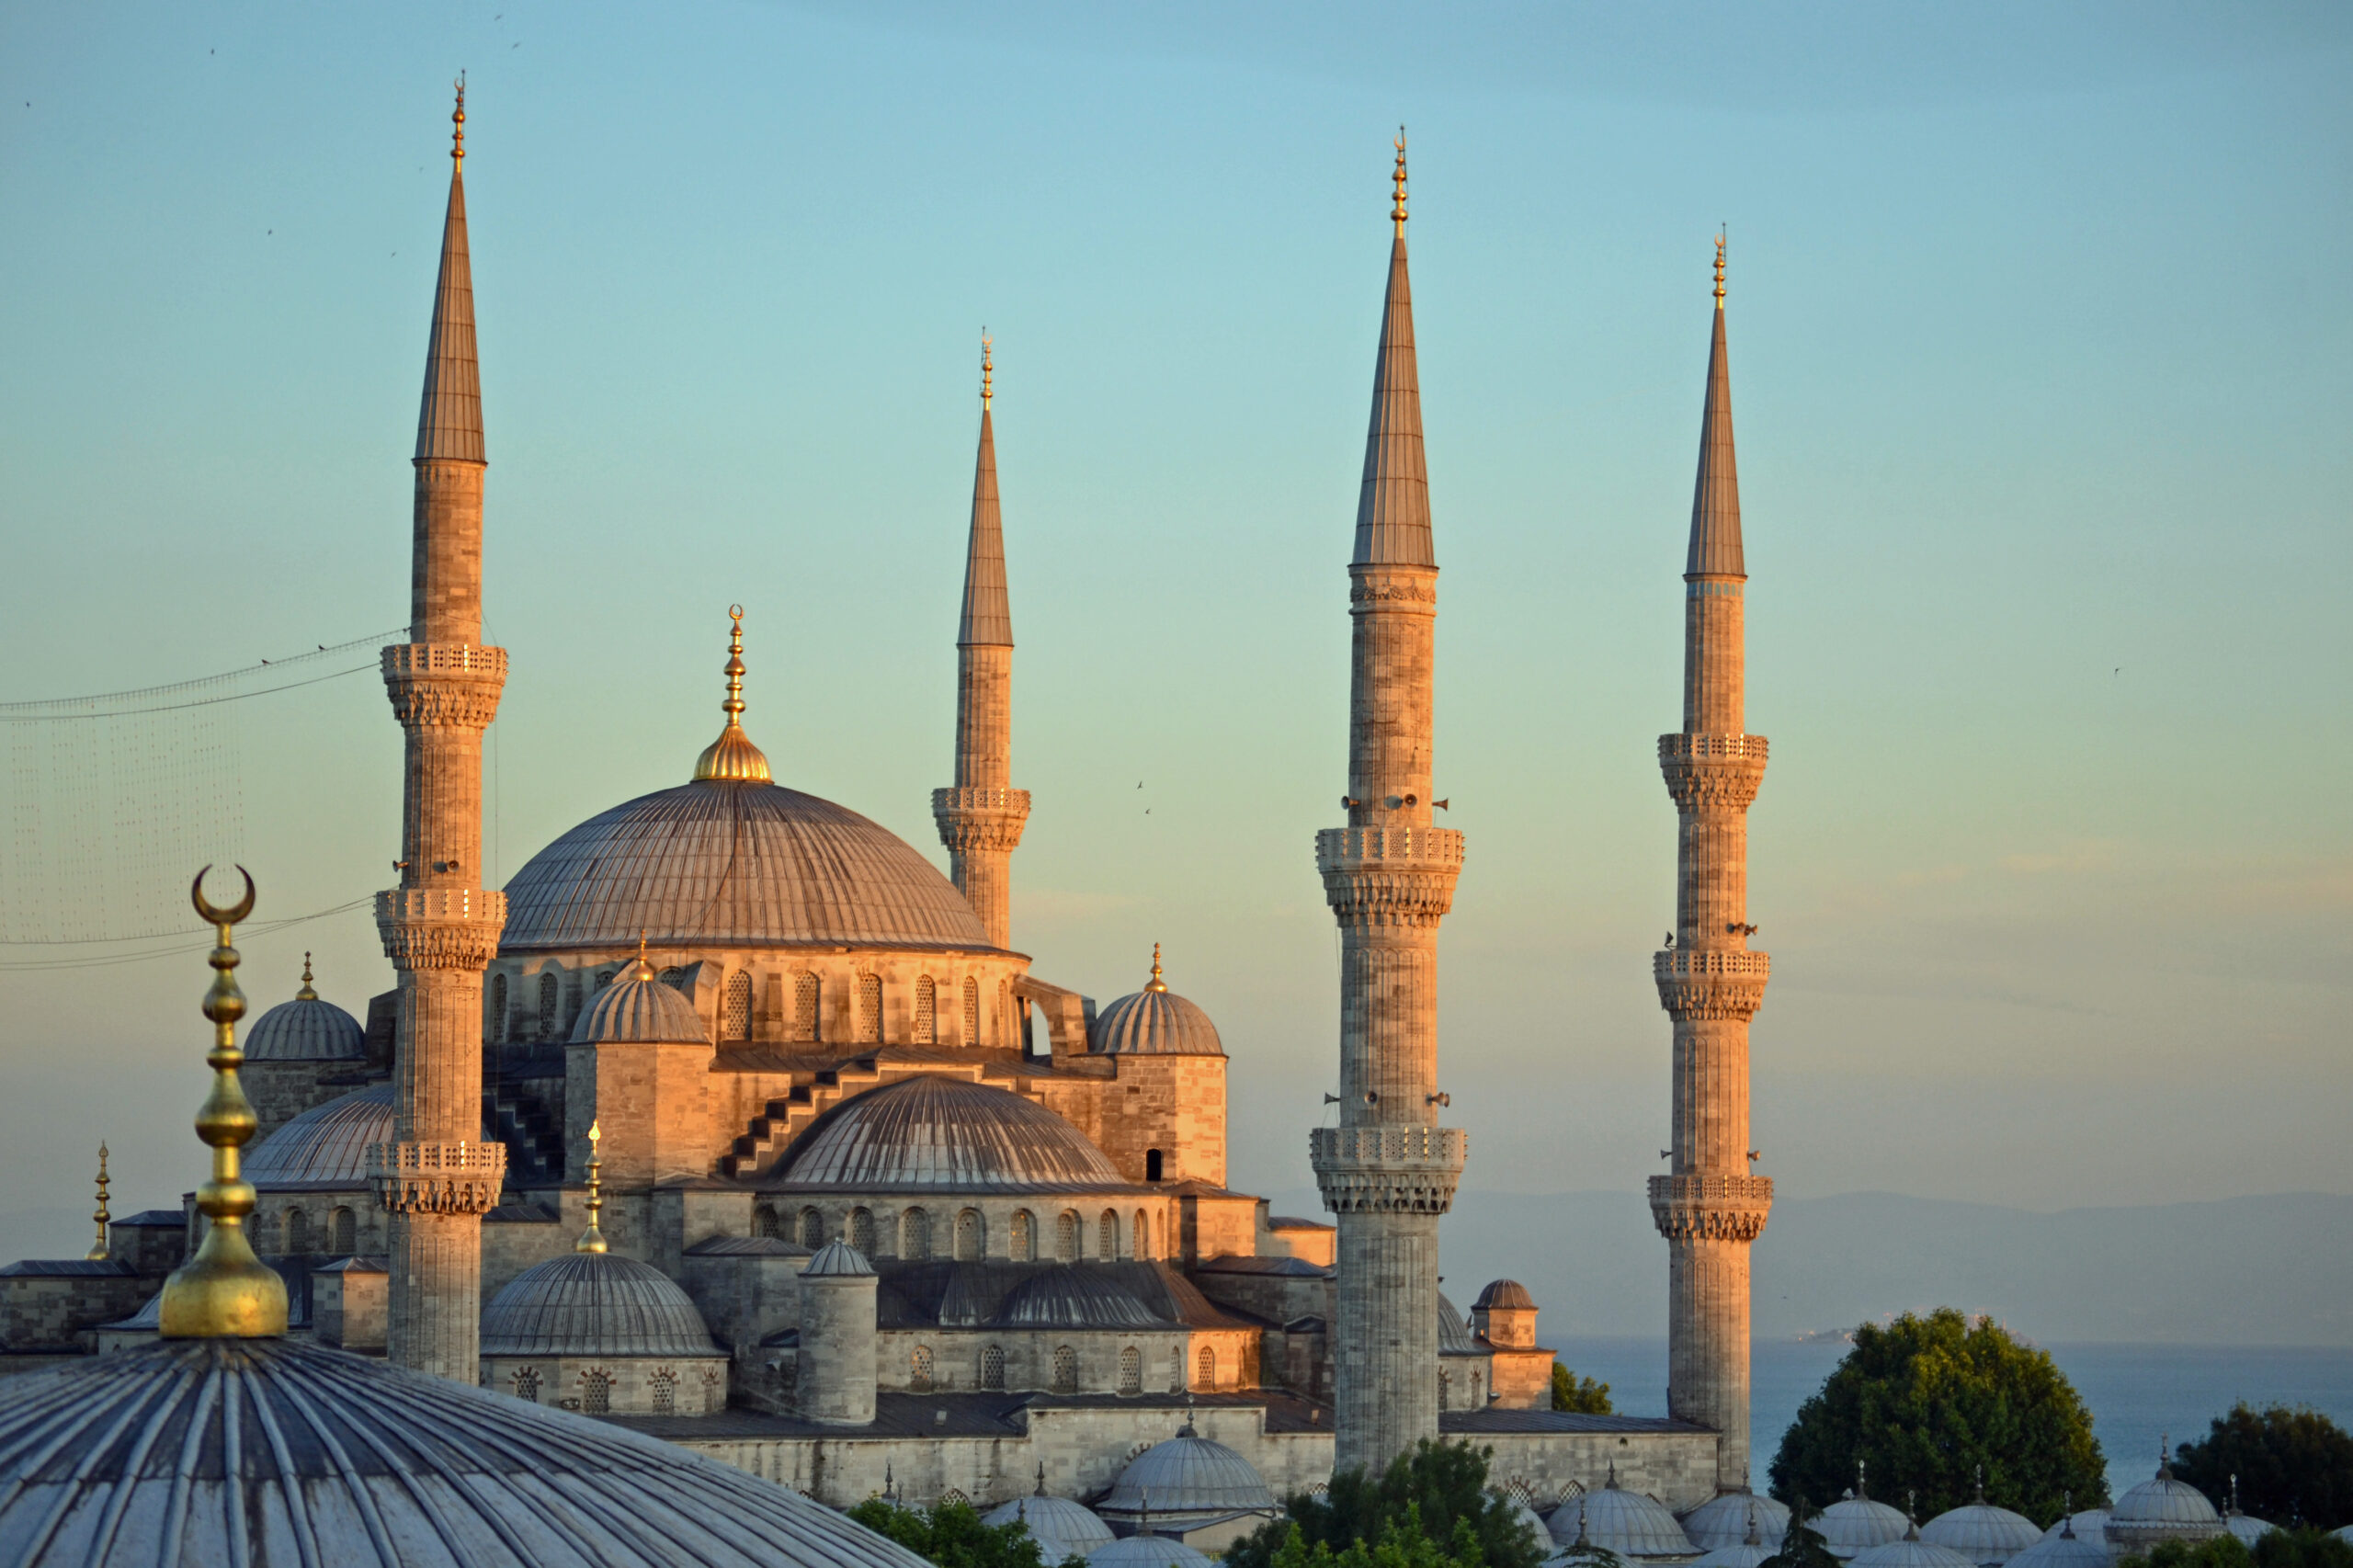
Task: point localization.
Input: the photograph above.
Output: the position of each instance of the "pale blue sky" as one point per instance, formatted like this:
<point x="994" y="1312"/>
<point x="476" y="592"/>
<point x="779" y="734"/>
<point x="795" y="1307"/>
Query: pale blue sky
<point x="2039" y="345"/>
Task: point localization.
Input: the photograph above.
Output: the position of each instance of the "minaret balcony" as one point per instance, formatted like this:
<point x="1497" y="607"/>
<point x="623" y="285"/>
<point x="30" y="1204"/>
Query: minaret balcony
<point x="1389" y="876"/>
<point x="1711" y="983"/>
<point x="1712" y="770"/>
<point x="973" y="820"/>
<point x="1388" y="1169"/>
<point x="1710" y="1207"/>
<point x="453" y="683"/>
<point x="440" y="928"/>
<point x="438" y="1178"/>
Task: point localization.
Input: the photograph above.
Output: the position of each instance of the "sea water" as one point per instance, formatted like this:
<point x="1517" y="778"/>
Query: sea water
<point x="2138" y="1394"/>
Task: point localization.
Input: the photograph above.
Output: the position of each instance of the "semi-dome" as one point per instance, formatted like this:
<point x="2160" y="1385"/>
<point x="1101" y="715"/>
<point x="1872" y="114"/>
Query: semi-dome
<point x="1188" y="1480"/>
<point x="1155" y="1021"/>
<point x="1984" y="1534"/>
<point x="1061" y="1528"/>
<point x="594" y="1303"/>
<point x="937" y="1134"/>
<point x="2161" y="1509"/>
<point x="1910" y="1551"/>
<point x="1627" y="1523"/>
<point x="836" y="1260"/>
<point x="308" y="1029"/>
<point x="1505" y="1296"/>
<point x="2068" y="1546"/>
<point x="276" y="1451"/>
<point x="638" y="1009"/>
<point x="1146" y="1551"/>
<point x="1064" y="1297"/>
<point x="1722" y="1521"/>
<point x="326" y="1147"/>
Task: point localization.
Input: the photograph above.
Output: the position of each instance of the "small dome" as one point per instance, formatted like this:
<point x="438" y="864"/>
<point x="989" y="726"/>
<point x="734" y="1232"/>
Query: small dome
<point x="343" y="1458"/>
<point x="2344" y="1533"/>
<point x="2068" y="1545"/>
<point x="594" y="1303"/>
<point x="326" y="1147"/>
<point x="306" y="1030"/>
<point x="837" y="1260"/>
<point x="1627" y="1523"/>
<point x="1532" y="1518"/>
<point x="1854" y="1525"/>
<point x="1453" y="1333"/>
<point x="1984" y="1534"/>
<point x="1155" y="1021"/>
<point x="2161" y="1509"/>
<point x="2248" y="1530"/>
<point x="2089" y="1524"/>
<point x="944" y="1134"/>
<point x="639" y="1008"/>
<point x="1505" y="1295"/>
<point x="1910" y="1551"/>
<point x="1189" y="1478"/>
<point x="1722" y="1521"/>
<point x="1064" y="1297"/>
<point x="1062" y="1528"/>
<point x="1146" y="1551"/>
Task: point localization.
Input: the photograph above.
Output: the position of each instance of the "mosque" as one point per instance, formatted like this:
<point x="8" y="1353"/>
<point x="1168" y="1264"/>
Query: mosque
<point x="733" y="1123"/>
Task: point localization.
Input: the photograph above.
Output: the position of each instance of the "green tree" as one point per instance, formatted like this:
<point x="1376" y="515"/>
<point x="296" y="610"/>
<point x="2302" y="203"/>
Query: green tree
<point x="1403" y="1543"/>
<point x="2310" y="1547"/>
<point x="1928" y="1401"/>
<point x="2294" y="1466"/>
<point x="951" y="1535"/>
<point x="1802" y="1547"/>
<point x="2221" y="1551"/>
<point x="1582" y="1396"/>
<point x="1441" y="1487"/>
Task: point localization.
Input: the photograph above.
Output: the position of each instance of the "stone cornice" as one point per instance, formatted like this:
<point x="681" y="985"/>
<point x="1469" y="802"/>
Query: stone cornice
<point x="1710" y="1207"/>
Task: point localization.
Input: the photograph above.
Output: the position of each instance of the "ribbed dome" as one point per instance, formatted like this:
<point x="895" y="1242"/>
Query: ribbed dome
<point x="1722" y="1521"/>
<point x="1854" y="1525"/>
<point x="2068" y="1548"/>
<point x="837" y="1260"/>
<point x="1155" y="1021"/>
<point x="1505" y="1295"/>
<point x="943" y="1134"/>
<point x="1453" y="1333"/>
<point x="1627" y="1523"/>
<point x="1146" y="1551"/>
<point x="2161" y="1509"/>
<point x="275" y="1452"/>
<point x="718" y="863"/>
<point x="1533" y="1520"/>
<point x="1910" y="1551"/>
<point x="594" y="1303"/>
<point x="1985" y="1535"/>
<point x="306" y="1030"/>
<point x="1064" y="1297"/>
<point x="1061" y="1528"/>
<point x="2089" y="1524"/>
<point x="2246" y="1529"/>
<point x="326" y="1146"/>
<point x="637" y="1007"/>
<point x="1188" y="1477"/>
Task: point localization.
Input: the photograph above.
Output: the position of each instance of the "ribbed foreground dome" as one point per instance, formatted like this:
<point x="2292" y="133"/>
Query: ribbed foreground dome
<point x="943" y="1134"/>
<point x="1854" y="1525"/>
<point x="272" y="1452"/>
<point x="1062" y="1528"/>
<point x="1984" y="1534"/>
<point x="326" y="1146"/>
<point x="1146" y="1551"/>
<point x="2161" y="1509"/>
<point x="1505" y="1295"/>
<point x="638" y="1009"/>
<point x="308" y="1029"/>
<point x="723" y="863"/>
<point x="594" y="1303"/>
<point x="836" y="1260"/>
<point x="1627" y="1523"/>
<point x="1155" y="1021"/>
<point x="1188" y="1478"/>
<point x="1064" y="1297"/>
<point x="2066" y="1547"/>
<point x="1910" y="1551"/>
<point x="1722" y="1521"/>
<point x="1453" y="1333"/>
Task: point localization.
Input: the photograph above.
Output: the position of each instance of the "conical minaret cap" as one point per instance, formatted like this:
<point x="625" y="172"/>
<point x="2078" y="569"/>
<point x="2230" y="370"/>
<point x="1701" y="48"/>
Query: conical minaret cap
<point x="1715" y="497"/>
<point x="449" y="423"/>
<point x="1393" y="507"/>
<point x="987" y="621"/>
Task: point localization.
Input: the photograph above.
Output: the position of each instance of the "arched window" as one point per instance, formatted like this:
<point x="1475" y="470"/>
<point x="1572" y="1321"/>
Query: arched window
<point x="1474" y="1392"/>
<point x="525" y="1384"/>
<point x="1152" y="1164"/>
<point x="343" y="1232"/>
<point x="971" y="1011"/>
<point x="926" y="1011"/>
<point x="1066" y="1237"/>
<point x="1141" y="1236"/>
<point x="261" y="1230"/>
<point x="1111" y="1236"/>
<point x="1065" y="1369"/>
<point x="1445" y="1389"/>
<point x="1131" y="1371"/>
<point x="714" y="1392"/>
<point x="811" y="1230"/>
<point x="1023" y="1243"/>
<point x="596" y="1392"/>
<point x="604" y="978"/>
<point x="861" y="1231"/>
<point x="666" y="1391"/>
<point x="869" y="1008"/>
<point x="1205" y="1369"/>
<point x="546" y="1004"/>
<point x="971" y="1239"/>
<point x="1005" y="1027"/>
<point x="764" y="1221"/>
<point x="804" y="1005"/>
<point x="919" y="1369"/>
<point x="298" y="1231"/>
<point x="1176" y="1368"/>
<point x="914" y="1235"/>
<point x="497" y="1009"/>
<point x="735" y="1022"/>
<point x="993" y="1368"/>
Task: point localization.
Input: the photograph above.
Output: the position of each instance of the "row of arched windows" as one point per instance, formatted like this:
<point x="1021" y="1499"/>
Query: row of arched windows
<point x="296" y="1236"/>
<point x="595" y="1385"/>
<point x="922" y="1369"/>
<point x="914" y="1233"/>
<point x="802" y="1023"/>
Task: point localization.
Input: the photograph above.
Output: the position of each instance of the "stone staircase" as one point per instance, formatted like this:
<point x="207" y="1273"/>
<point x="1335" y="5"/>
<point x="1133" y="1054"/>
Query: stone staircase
<point x="533" y="1136"/>
<point x="788" y="1115"/>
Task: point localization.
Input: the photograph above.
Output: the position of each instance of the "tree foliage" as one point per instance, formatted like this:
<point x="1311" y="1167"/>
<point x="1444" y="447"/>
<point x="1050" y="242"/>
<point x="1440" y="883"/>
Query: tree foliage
<point x="1928" y="1401"/>
<point x="1802" y="1546"/>
<point x="1582" y="1395"/>
<point x="952" y="1535"/>
<point x="2294" y="1466"/>
<point x="1434" y="1498"/>
<point x="2307" y="1548"/>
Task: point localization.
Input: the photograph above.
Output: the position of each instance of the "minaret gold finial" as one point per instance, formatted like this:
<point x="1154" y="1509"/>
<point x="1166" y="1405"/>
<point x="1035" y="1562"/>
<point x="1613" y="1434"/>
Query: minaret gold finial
<point x="224" y="1291"/>
<point x="1397" y="209"/>
<point x="1720" y="269"/>
<point x="306" y="994"/>
<point x="733" y="759"/>
<point x="457" y="139"/>
<point x="1157" y="983"/>
<point x="592" y="1239"/>
<point x="97" y="1251"/>
<point x="988" y="369"/>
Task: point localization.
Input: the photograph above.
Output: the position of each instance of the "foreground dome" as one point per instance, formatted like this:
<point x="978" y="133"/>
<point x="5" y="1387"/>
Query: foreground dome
<point x="273" y="1452"/>
<point x="1984" y="1534"/>
<point x="937" y="1134"/>
<point x="1854" y="1525"/>
<point x="1155" y="1021"/>
<point x="325" y="1147"/>
<point x="2161" y="1509"/>
<point x="1187" y="1480"/>
<point x="1910" y="1551"/>
<point x="1722" y="1521"/>
<point x="594" y="1303"/>
<point x="2066" y="1547"/>
<point x="1062" y="1528"/>
<point x="308" y="1029"/>
<point x="1627" y="1523"/>
<point x="639" y="1009"/>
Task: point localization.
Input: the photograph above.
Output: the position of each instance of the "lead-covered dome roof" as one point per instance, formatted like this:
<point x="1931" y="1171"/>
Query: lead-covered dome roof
<point x="272" y="1451"/>
<point x="1854" y="1525"/>
<point x="1628" y="1523"/>
<point x="1984" y="1534"/>
<point x="326" y="1147"/>
<point x="638" y="1009"/>
<point x="936" y="1133"/>
<point x="1188" y="1477"/>
<point x="2065" y="1546"/>
<point x="1910" y="1551"/>
<point x="308" y="1029"/>
<point x="1722" y="1521"/>
<point x="724" y="862"/>
<point x="594" y="1303"/>
<point x="1155" y="1021"/>
<point x="1062" y="1528"/>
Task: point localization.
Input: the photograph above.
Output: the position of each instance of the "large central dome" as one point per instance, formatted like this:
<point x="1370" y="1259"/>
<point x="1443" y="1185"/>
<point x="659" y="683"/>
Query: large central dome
<point x="944" y="1134"/>
<point x="733" y="863"/>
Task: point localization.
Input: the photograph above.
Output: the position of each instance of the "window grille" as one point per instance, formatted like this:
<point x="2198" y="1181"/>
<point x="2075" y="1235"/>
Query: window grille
<point x="604" y="978"/>
<point x="714" y="1392"/>
<point x="804" y="1005"/>
<point x="869" y="1008"/>
<point x="926" y="1011"/>
<point x="1111" y="1236"/>
<point x="596" y="1392"/>
<point x="967" y="1236"/>
<point x="1066" y="1237"/>
<point x="914" y="1235"/>
<point x="813" y="1229"/>
<point x="919" y="1373"/>
<point x="1176" y="1368"/>
<point x="497" y="1009"/>
<point x="526" y="1383"/>
<point x="1022" y="1246"/>
<point x="737" y="1022"/>
<point x="1445" y="1389"/>
<point x="1131" y="1371"/>
<point x="666" y="1392"/>
<point x="546" y="1004"/>
<point x="971" y="1011"/>
<point x="298" y="1231"/>
<point x="1205" y="1369"/>
<point x="993" y="1368"/>
<point x="1142" y="1234"/>
<point x="861" y="1231"/>
<point x="1065" y="1369"/>
<point x="343" y="1232"/>
<point x="764" y="1221"/>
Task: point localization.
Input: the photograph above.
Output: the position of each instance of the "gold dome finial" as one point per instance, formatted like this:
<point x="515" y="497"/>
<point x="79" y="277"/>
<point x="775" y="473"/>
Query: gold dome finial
<point x="306" y="994"/>
<point x="592" y="1239"/>
<point x="644" y="970"/>
<point x="1720" y="269"/>
<point x="97" y="1251"/>
<point x="1397" y="209"/>
<point x="733" y="759"/>
<point x="1157" y="983"/>
<point x="457" y="138"/>
<point x="988" y="370"/>
<point x="224" y="1291"/>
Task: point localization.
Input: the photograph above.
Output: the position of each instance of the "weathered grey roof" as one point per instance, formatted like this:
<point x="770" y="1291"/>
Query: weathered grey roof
<point x="65" y="1269"/>
<point x="277" y="1452"/>
<point x="1393" y="507"/>
<point x="2161" y="1509"/>
<point x="154" y="1219"/>
<point x="2089" y="1524"/>
<point x="1854" y="1525"/>
<point x="1722" y="1521"/>
<point x="945" y="1134"/>
<point x="306" y="1029"/>
<point x="1984" y="1534"/>
<point x="1628" y="1523"/>
<point x="1184" y="1479"/>
<point x="1453" y="1333"/>
<point x="1061" y="1528"/>
<point x="1910" y="1551"/>
<point x="2246" y="1527"/>
<point x="1146" y="1551"/>
<point x="989" y="1293"/>
<point x="1715" y="497"/>
<point x="1286" y="1267"/>
<point x="2065" y="1546"/>
<point x="837" y="1260"/>
<point x="1155" y="1023"/>
<point x="1508" y="1295"/>
<point x="987" y="618"/>
<point x="594" y="1303"/>
<point x="748" y="1246"/>
<point x="639" y="1008"/>
<point x="1067" y="1297"/>
<point x="449" y="423"/>
<point x="1295" y="1223"/>
<point x="1497" y="1418"/>
<point x="1739" y="1554"/>
<point x="325" y="1147"/>
<point x="729" y="863"/>
<point x="148" y="1319"/>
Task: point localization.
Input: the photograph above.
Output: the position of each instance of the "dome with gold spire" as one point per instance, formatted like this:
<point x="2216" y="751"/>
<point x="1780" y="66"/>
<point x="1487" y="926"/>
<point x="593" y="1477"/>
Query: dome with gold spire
<point x="1155" y="1021"/>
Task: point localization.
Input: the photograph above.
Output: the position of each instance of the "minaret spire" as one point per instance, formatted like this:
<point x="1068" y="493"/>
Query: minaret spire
<point x="1709" y="1208"/>
<point x="981" y="815"/>
<point x="1388" y="1171"/>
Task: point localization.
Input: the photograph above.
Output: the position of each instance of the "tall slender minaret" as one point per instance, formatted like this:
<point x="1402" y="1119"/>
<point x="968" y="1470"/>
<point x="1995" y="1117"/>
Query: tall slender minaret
<point x="982" y="815"/>
<point x="440" y="925"/>
<point x="1709" y="1209"/>
<point x="1388" y="1171"/>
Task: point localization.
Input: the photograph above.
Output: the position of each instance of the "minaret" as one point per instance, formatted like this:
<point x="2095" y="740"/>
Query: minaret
<point x="440" y="925"/>
<point x="982" y="815"/>
<point x="1709" y="1209"/>
<point x="1388" y="1171"/>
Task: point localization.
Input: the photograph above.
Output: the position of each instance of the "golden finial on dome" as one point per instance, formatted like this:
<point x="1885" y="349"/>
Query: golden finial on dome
<point x="224" y="1291"/>
<point x="1397" y="211"/>
<point x="97" y="1251"/>
<point x="1720" y="269"/>
<point x="644" y="970"/>
<point x="988" y="369"/>
<point x="733" y="759"/>
<point x="457" y="139"/>
<point x="306" y="994"/>
<point x="592" y="1239"/>
<point x="1157" y="983"/>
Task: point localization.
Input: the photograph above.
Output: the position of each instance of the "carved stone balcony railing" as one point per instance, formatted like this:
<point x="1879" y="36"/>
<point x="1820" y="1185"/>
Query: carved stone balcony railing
<point x="437" y="1178"/>
<point x="1388" y="1170"/>
<point x="980" y="819"/>
<point x="1389" y="876"/>
<point x="445" y="684"/>
<point x="1710" y="1207"/>
<point x="1712" y="771"/>
<point x="440" y="928"/>
<point x="1711" y="983"/>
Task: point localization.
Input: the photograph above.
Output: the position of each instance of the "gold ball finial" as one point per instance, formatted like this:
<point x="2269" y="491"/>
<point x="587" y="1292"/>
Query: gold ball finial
<point x="732" y="758"/>
<point x="592" y="1239"/>
<point x="97" y="1251"/>
<point x="1397" y="208"/>
<point x="307" y="994"/>
<point x="988" y="372"/>
<point x="1157" y="983"/>
<point x="458" y="137"/>
<point x="1719" y="268"/>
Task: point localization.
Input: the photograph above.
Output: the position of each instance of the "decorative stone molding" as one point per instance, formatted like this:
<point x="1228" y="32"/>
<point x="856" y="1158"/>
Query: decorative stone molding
<point x="1390" y="588"/>
<point x="1711" y="982"/>
<point x="1389" y="876"/>
<point x="440" y="928"/>
<point x="444" y="683"/>
<point x="437" y="1178"/>
<point x="980" y="820"/>
<point x="1388" y="1169"/>
<point x="1710" y="1207"/>
<point x="1704" y="771"/>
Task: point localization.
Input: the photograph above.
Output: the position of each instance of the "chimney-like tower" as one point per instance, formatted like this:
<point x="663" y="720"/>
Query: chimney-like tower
<point x="980" y="817"/>
<point x="440" y="926"/>
<point x="1709" y="1209"/>
<point x="1388" y="1170"/>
